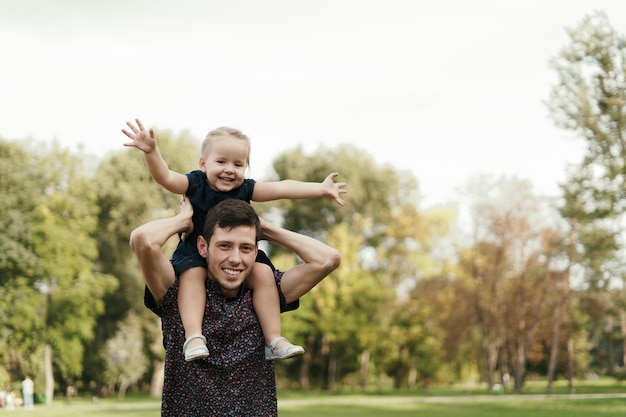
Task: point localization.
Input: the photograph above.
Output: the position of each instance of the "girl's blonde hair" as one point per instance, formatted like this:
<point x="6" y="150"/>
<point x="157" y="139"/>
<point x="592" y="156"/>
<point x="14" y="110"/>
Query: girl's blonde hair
<point x="222" y="132"/>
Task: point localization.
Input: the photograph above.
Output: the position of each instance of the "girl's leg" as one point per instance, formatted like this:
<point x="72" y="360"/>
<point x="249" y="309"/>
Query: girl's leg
<point x="191" y="304"/>
<point x="267" y="307"/>
<point x="265" y="300"/>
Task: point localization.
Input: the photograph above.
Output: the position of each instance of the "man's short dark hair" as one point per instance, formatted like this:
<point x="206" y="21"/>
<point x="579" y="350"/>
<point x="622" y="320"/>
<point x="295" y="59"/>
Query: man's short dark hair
<point x="228" y="214"/>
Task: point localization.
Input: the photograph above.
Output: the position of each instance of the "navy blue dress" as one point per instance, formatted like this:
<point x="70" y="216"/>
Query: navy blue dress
<point x="203" y="198"/>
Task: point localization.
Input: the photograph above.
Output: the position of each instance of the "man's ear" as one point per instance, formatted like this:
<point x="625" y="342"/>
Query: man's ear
<point x="203" y="247"/>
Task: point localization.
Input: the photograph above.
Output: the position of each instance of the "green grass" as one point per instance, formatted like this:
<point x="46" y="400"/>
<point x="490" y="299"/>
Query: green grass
<point x="467" y="408"/>
<point x="80" y="407"/>
<point x="454" y="401"/>
<point x="366" y="406"/>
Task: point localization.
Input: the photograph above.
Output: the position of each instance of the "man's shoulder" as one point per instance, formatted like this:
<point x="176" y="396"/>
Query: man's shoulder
<point x="164" y="306"/>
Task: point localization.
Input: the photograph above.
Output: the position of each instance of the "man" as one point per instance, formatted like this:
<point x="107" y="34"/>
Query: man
<point x="28" y="390"/>
<point x="235" y="380"/>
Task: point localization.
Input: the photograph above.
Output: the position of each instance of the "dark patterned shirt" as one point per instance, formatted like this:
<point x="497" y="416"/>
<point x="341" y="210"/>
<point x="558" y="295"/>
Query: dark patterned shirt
<point x="235" y="380"/>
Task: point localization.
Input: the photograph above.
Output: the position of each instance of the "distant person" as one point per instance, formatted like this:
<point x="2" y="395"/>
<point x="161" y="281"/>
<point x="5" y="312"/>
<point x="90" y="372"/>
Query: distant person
<point x="10" y="398"/>
<point x="28" y="392"/>
<point x="236" y="380"/>
<point x="224" y="159"/>
<point x="70" y="391"/>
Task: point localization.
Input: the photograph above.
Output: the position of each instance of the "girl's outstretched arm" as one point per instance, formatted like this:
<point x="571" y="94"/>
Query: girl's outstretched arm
<point x="296" y="190"/>
<point x="145" y="141"/>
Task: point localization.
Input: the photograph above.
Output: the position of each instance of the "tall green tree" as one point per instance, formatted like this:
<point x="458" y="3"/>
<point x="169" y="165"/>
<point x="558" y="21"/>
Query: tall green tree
<point x="47" y="302"/>
<point x="384" y="240"/>
<point x="63" y="241"/>
<point x="19" y="263"/>
<point x="128" y="197"/>
<point x="589" y="100"/>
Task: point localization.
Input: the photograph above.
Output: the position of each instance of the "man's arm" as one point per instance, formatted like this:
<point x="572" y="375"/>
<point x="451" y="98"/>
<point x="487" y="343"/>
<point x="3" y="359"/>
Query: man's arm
<point x="296" y="190"/>
<point x="147" y="242"/>
<point x="146" y="142"/>
<point x="319" y="260"/>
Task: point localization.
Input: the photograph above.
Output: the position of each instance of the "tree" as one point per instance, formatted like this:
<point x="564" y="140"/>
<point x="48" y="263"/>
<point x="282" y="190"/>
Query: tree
<point x="125" y="358"/>
<point x="384" y="240"/>
<point x="46" y="301"/>
<point x="419" y="339"/>
<point x="510" y="271"/>
<point x="589" y="100"/>
<point x="128" y="197"/>
<point x="67" y="252"/>
<point x="18" y="258"/>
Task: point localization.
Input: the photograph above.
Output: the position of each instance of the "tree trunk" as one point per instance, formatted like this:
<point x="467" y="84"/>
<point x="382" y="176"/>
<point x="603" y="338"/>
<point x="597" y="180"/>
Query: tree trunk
<point x="492" y="360"/>
<point x="123" y="387"/>
<point x="519" y="369"/>
<point x="412" y="377"/>
<point x="305" y="367"/>
<point x="554" y="351"/>
<point x="325" y="353"/>
<point x="399" y="377"/>
<point x="622" y="315"/>
<point x="48" y="375"/>
<point x="556" y="329"/>
<point x="158" y="376"/>
<point x="332" y="372"/>
<point x="570" y="363"/>
<point x="401" y="371"/>
<point x="365" y="360"/>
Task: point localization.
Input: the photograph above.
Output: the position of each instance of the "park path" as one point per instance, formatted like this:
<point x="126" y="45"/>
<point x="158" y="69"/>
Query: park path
<point x="360" y="400"/>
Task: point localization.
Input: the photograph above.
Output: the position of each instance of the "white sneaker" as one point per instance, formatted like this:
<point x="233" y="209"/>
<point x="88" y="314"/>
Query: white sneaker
<point x="196" y="352"/>
<point x="272" y="352"/>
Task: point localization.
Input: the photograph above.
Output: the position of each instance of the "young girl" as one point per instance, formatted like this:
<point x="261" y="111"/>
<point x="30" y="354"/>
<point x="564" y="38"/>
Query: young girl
<point x="224" y="158"/>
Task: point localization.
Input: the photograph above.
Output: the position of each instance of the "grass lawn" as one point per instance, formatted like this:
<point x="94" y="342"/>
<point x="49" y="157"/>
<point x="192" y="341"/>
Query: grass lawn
<point x="105" y="408"/>
<point x="340" y="406"/>
<point x="462" y="407"/>
<point x="451" y="402"/>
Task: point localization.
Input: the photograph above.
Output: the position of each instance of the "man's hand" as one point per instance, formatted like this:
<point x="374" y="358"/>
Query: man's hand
<point x="186" y="210"/>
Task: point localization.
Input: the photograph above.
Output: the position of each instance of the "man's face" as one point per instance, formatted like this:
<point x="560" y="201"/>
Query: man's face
<point x="230" y="256"/>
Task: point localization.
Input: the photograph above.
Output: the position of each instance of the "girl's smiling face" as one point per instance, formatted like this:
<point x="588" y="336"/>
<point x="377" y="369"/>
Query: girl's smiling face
<point x="225" y="163"/>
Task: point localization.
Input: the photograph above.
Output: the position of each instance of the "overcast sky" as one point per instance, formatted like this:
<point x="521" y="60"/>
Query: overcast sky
<point x="446" y="89"/>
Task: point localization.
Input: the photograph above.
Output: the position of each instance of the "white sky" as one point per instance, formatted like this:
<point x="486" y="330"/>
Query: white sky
<point x="447" y="89"/>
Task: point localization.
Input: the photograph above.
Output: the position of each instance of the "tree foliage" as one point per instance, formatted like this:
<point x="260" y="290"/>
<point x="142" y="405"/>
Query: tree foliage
<point x="17" y="208"/>
<point x="589" y="100"/>
<point x="49" y="221"/>
<point x="127" y="197"/>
